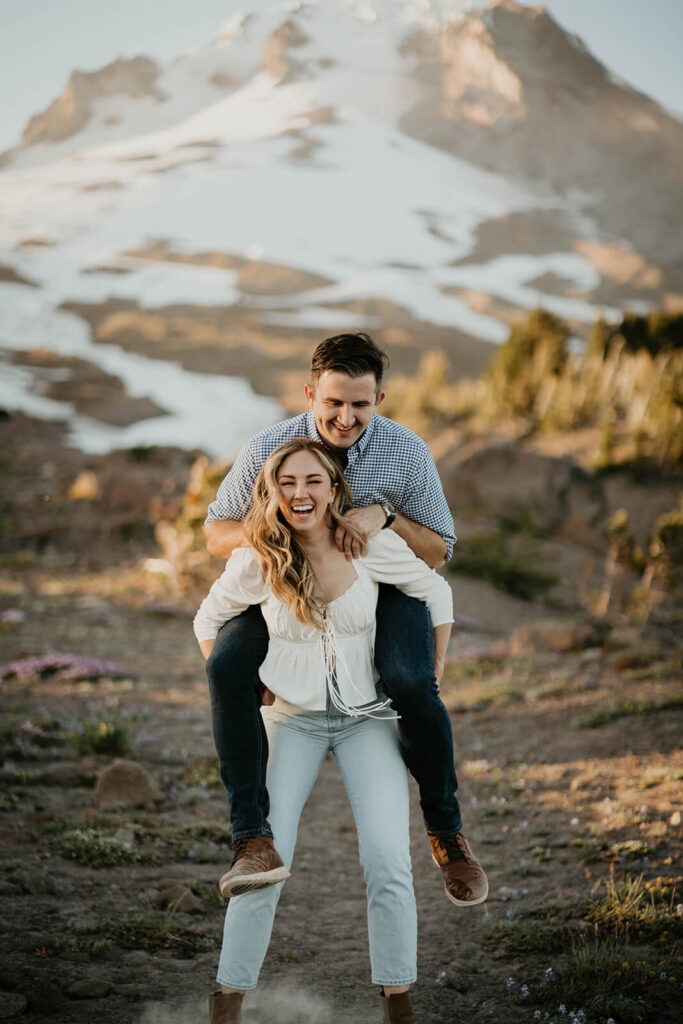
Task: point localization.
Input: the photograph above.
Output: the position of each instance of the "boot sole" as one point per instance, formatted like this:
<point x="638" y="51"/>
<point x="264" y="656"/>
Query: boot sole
<point x="250" y="883"/>
<point x="467" y="903"/>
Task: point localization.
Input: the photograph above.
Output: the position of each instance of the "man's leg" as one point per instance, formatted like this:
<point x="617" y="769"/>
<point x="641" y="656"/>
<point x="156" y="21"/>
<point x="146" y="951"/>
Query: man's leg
<point x="404" y="654"/>
<point x="238" y="731"/>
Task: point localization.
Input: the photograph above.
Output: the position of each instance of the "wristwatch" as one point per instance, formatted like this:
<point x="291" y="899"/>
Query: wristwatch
<point x="389" y="512"/>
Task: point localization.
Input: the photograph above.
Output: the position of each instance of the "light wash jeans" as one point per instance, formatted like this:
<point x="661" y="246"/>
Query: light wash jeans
<point x="376" y="781"/>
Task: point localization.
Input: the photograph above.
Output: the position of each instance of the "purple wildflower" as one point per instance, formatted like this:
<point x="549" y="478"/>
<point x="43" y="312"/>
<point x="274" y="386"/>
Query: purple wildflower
<point x="62" y="667"/>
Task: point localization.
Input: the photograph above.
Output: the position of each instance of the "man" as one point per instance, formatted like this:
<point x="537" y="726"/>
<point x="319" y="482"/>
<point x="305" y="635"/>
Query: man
<point x="395" y="486"/>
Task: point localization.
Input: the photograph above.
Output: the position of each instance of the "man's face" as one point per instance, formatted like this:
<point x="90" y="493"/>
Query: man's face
<point x="343" y="406"/>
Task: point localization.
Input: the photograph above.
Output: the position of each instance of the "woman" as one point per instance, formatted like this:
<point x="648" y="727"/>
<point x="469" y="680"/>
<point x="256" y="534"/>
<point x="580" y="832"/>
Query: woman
<point x="320" y="612"/>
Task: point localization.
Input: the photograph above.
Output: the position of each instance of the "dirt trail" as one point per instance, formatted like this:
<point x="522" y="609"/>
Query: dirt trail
<point x="551" y="805"/>
<point x="546" y="805"/>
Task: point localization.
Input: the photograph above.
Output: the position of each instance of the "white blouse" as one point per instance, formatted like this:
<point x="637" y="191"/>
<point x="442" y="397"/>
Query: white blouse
<point x="304" y="664"/>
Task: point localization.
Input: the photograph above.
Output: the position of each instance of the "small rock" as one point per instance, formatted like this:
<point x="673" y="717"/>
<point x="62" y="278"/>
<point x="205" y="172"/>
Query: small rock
<point x="125" y="784"/>
<point x="89" y="988"/>
<point x="12" y="1004"/>
<point x="125" y="836"/>
<point x="675" y="818"/>
<point x="85" y="488"/>
<point x="137" y="958"/>
<point x="179" y="898"/>
<point x="12" y="617"/>
<point x="591" y="654"/>
<point x="9" y="889"/>
<point x="35" y="881"/>
<point x="556" y="635"/>
<point x="169" y="883"/>
<point x="43" y="996"/>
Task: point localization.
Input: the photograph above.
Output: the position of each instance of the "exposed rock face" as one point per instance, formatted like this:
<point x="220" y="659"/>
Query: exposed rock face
<point x="510" y="482"/>
<point x="509" y="89"/>
<point x="276" y="58"/>
<point x="70" y="111"/>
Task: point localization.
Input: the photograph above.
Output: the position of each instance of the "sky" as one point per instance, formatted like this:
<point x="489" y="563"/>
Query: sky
<point x="42" y="41"/>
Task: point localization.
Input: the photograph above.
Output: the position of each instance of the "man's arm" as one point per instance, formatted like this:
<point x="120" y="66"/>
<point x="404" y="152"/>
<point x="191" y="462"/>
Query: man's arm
<point x="223" y="536"/>
<point x="427" y="544"/>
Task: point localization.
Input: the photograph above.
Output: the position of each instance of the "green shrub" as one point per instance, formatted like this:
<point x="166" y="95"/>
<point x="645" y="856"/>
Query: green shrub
<point x="95" y="849"/>
<point x="104" y="737"/>
<point x="510" y="562"/>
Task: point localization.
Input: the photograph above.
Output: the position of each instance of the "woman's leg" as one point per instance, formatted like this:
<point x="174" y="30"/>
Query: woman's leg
<point x="376" y="780"/>
<point x="298" y="745"/>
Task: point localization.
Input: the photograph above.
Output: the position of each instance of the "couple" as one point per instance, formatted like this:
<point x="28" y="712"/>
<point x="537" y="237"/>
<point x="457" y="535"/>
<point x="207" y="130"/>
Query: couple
<point x="319" y="590"/>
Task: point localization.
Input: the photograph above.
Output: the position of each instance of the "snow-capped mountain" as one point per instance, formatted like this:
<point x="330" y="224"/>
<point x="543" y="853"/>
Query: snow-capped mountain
<point x="454" y="164"/>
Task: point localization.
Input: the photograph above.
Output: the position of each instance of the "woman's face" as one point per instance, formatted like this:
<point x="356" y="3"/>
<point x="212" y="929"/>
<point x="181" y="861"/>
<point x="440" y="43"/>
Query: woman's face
<point x="306" y="492"/>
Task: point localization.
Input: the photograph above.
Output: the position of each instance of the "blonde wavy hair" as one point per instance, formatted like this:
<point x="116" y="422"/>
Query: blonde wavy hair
<point x="287" y="570"/>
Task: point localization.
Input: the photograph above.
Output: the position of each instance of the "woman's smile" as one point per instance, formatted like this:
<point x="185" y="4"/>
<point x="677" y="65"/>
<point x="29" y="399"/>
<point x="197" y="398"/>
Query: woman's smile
<point x="305" y="491"/>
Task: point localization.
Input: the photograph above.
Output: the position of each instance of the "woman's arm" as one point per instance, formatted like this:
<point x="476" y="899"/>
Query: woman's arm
<point x="240" y="586"/>
<point x="389" y="559"/>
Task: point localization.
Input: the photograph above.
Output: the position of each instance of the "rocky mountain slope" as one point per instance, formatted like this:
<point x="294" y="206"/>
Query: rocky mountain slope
<point x="417" y="169"/>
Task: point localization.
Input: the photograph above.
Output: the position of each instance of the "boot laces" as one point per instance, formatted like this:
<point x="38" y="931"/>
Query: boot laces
<point x="455" y="850"/>
<point x="240" y="847"/>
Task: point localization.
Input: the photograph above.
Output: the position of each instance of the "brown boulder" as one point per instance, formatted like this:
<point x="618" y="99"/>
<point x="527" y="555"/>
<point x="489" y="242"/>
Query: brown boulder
<point x="513" y="483"/>
<point x="176" y="896"/>
<point x="554" y="635"/>
<point x="125" y="784"/>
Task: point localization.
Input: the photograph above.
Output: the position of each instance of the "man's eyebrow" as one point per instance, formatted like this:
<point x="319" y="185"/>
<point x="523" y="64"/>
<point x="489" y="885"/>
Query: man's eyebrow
<point x="339" y="401"/>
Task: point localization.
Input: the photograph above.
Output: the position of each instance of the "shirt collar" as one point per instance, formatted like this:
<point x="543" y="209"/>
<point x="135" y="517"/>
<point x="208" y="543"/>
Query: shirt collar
<point x="356" y="449"/>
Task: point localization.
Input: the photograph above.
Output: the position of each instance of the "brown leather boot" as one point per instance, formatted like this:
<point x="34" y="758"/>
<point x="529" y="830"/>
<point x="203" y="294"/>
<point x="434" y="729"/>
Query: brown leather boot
<point x="256" y="863"/>
<point x="464" y="878"/>
<point x="225" y="1007"/>
<point x="397" y="1009"/>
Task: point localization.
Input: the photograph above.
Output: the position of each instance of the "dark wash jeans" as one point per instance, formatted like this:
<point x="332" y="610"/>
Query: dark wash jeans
<point x="404" y="655"/>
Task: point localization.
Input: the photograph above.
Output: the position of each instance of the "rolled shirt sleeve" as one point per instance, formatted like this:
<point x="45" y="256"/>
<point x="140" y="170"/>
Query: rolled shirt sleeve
<point x="390" y="560"/>
<point x="425" y="502"/>
<point x="235" y="494"/>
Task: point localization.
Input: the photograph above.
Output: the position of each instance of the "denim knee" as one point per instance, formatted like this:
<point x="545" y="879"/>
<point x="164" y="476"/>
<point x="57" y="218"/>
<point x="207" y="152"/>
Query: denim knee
<point x="408" y="688"/>
<point x="223" y="665"/>
<point x="386" y="870"/>
<point x="238" y="652"/>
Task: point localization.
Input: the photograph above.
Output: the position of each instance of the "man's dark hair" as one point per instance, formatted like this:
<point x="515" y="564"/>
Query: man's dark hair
<point x="352" y="354"/>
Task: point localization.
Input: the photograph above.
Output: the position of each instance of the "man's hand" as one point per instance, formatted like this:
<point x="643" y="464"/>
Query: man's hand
<point x="368" y="521"/>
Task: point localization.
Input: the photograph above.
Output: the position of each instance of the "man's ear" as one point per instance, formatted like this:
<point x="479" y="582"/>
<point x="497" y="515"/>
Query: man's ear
<point x="381" y="395"/>
<point x="310" y="393"/>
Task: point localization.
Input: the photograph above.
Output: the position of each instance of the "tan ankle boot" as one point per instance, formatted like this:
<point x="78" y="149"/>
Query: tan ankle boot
<point x="397" y="1009"/>
<point x="225" y="1007"/>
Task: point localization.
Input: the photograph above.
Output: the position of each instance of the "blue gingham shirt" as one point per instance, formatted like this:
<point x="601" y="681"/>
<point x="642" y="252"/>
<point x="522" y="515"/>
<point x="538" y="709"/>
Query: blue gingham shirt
<point x="387" y="463"/>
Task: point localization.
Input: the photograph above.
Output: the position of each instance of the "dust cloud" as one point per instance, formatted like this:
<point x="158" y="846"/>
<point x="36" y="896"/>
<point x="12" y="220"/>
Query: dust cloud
<point x="269" y="1004"/>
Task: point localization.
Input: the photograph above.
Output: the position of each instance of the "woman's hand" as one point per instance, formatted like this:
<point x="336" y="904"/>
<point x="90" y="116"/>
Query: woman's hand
<point x="369" y="521"/>
<point x="206" y="646"/>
